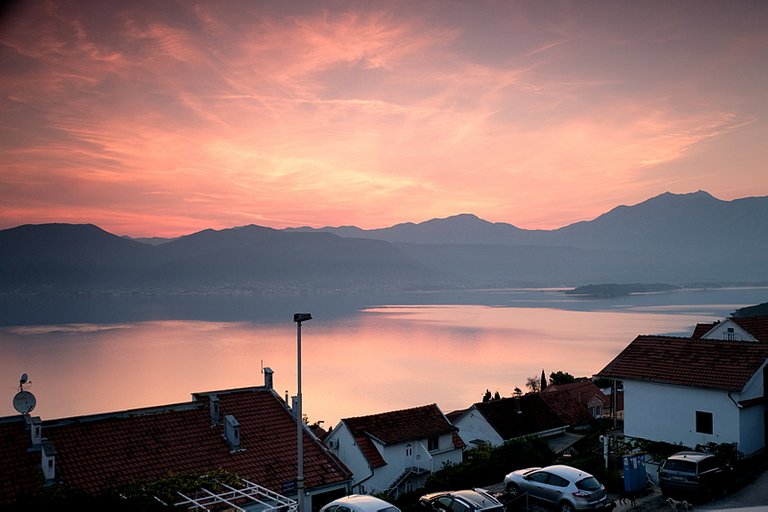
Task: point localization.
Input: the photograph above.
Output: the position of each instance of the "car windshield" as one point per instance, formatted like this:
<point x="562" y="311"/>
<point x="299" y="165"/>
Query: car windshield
<point x="588" y="484"/>
<point x="680" y="465"/>
<point x="389" y="509"/>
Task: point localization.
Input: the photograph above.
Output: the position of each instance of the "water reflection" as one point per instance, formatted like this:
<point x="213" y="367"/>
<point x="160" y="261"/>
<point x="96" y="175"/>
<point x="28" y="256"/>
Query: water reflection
<point x="355" y="360"/>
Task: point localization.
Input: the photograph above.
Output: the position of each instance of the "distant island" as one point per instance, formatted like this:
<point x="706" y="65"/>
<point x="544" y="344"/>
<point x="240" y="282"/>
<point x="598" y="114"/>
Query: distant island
<point x="756" y="310"/>
<point x="619" y="290"/>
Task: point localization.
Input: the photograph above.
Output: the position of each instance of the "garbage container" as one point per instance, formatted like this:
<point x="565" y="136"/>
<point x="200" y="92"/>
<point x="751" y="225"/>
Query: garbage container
<point x="634" y="472"/>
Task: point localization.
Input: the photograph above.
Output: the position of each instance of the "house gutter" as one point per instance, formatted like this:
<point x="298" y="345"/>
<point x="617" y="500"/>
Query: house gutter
<point x="361" y="482"/>
<point x="738" y="405"/>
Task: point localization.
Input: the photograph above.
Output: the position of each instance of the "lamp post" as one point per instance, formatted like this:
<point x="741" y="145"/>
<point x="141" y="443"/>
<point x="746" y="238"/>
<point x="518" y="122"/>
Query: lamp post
<point x="298" y="318"/>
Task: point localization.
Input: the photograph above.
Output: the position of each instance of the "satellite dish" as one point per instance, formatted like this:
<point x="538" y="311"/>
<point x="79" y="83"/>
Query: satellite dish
<point x="24" y="402"/>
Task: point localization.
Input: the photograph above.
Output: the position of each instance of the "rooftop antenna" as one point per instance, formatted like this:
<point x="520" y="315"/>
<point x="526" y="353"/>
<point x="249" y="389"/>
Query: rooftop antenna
<point x="24" y="401"/>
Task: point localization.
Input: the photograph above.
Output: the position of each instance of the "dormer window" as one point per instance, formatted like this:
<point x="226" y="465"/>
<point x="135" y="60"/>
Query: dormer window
<point x="433" y="443"/>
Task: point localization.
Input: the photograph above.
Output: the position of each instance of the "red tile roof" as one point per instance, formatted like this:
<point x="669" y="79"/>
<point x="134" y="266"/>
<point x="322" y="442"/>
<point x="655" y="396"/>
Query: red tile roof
<point x="535" y="415"/>
<point x="710" y="364"/>
<point x="571" y="401"/>
<point x="702" y="329"/>
<point x="757" y="326"/>
<point x="397" y="427"/>
<point x="100" y="452"/>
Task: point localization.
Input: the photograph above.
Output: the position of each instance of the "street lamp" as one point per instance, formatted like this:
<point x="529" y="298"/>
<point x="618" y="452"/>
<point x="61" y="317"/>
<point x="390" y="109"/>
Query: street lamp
<point x="298" y="318"/>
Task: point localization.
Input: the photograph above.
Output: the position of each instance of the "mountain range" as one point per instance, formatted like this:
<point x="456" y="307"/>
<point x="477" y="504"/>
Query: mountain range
<point x="674" y="238"/>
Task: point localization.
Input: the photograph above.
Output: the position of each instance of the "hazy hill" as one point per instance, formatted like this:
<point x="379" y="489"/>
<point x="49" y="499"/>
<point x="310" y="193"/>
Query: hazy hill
<point x="76" y="254"/>
<point x="670" y="238"/>
<point x="669" y="223"/>
<point x="73" y="258"/>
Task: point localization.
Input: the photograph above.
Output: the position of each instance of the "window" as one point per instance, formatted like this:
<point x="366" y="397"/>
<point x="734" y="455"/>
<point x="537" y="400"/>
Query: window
<point x="433" y="443"/>
<point x="704" y="422"/>
<point x="538" y="477"/>
<point x="457" y="506"/>
<point x="408" y="450"/>
<point x="557" y="481"/>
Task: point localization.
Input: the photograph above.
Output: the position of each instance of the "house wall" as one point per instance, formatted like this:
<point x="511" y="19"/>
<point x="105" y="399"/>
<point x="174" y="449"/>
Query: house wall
<point x="752" y="419"/>
<point x="729" y="330"/>
<point x="399" y="458"/>
<point x="473" y="426"/>
<point x="668" y="413"/>
<point x="412" y="454"/>
<point x="343" y="445"/>
<point x="752" y="429"/>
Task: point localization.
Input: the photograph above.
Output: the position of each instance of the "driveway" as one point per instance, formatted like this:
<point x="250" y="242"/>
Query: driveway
<point x="754" y="494"/>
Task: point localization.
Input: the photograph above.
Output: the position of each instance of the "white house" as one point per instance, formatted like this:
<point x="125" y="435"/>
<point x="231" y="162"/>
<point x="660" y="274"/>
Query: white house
<point x="753" y="329"/>
<point x="394" y="452"/>
<point x="493" y="422"/>
<point x="691" y="391"/>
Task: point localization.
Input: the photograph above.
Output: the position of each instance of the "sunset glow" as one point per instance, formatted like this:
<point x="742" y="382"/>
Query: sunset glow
<point x="166" y="118"/>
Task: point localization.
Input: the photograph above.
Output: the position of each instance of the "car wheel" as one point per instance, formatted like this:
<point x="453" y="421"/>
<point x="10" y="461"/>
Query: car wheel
<point x="566" y="507"/>
<point x="513" y="490"/>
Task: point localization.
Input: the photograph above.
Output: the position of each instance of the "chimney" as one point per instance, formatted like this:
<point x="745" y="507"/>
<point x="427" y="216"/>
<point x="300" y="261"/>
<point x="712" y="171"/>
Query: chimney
<point x="295" y="405"/>
<point x="214" y="406"/>
<point x="35" y="430"/>
<point x="518" y="410"/>
<point x="48" y="461"/>
<point x="232" y="432"/>
<point x="268" y="377"/>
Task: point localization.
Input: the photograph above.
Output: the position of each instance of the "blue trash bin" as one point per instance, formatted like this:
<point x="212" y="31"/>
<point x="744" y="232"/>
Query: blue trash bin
<point x="635" y="476"/>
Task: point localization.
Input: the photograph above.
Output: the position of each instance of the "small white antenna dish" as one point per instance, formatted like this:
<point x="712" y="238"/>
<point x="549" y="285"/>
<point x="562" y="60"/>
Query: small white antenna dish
<point x="24" y="401"/>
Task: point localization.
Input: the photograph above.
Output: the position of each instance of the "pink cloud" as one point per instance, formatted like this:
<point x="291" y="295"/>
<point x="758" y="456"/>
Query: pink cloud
<point x="152" y="121"/>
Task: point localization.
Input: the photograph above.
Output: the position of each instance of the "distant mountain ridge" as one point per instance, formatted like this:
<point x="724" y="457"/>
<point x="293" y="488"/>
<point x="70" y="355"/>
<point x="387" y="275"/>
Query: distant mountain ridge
<point x="671" y="238"/>
<point x="657" y="223"/>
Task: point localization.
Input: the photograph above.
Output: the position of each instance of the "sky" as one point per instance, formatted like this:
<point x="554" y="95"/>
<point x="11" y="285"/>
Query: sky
<point x="163" y="118"/>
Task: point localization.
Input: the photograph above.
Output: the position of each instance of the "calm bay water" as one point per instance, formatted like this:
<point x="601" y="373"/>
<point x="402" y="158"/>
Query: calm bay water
<point x="359" y="356"/>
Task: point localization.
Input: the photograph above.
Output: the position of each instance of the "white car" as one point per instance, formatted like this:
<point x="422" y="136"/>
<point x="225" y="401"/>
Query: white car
<point x="359" y="503"/>
<point x="566" y="487"/>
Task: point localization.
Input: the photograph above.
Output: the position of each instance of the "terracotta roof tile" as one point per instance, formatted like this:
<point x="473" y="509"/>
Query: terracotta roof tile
<point x="570" y="401"/>
<point x="702" y="329"/>
<point x="757" y="326"/>
<point x="99" y="452"/>
<point x="710" y="364"/>
<point x="404" y="425"/>
<point x="535" y="415"/>
<point x="396" y="427"/>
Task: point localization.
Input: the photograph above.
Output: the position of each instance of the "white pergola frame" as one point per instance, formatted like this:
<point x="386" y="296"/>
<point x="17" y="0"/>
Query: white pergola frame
<point x="250" y="498"/>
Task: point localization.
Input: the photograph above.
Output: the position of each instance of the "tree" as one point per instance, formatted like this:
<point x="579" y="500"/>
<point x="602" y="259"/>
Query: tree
<point x="496" y="396"/>
<point x="543" y="380"/>
<point x="533" y="384"/>
<point x="561" y="378"/>
<point x="487" y="396"/>
<point x="518" y="391"/>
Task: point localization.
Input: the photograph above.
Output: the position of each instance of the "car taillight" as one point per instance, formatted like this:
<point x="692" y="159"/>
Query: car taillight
<point x="581" y="494"/>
